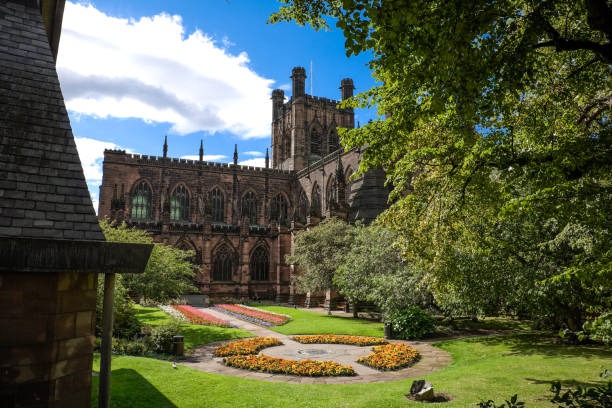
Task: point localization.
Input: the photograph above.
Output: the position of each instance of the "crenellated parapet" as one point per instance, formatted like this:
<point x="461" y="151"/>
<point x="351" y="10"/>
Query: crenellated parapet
<point x="121" y="157"/>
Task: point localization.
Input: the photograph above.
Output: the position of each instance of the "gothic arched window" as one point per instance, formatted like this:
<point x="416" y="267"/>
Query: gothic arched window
<point x="223" y="265"/>
<point x="349" y="184"/>
<point x="315" y="141"/>
<point x="330" y="192"/>
<point x="141" y="201"/>
<point x="316" y="201"/>
<point x="260" y="267"/>
<point x="279" y="208"/>
<point x="179" y="204"/>
<point x="303" y="206"/>
<point x="216" y="197"/>
<point x="333" y="141"/>
<point x="249" y="207"/>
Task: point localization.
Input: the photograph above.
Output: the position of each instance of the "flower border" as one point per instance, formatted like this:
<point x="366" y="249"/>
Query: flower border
<point x="246" y="346"/>
<point x="258" y="316"/>
<point x="196" y="316"/>
<point x="302" y="368"/>
<point x="391" y="357"/>
<point x="339" y="339"/>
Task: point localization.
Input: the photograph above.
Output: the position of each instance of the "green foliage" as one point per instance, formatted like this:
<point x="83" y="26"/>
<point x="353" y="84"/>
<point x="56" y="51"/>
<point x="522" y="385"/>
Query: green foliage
<point x="373" y="270"/>
<point x="411" y="323"/>
<point x="138" y="347"/>
<point x="125" y="323"/>
<point x="587" y="397"/>
<point x="600" y="328"/>
<point x="162" y="336"/>
<point x="319" y="252"/>
<point x="168" y="274"/>
<point x="496" y="116"/>
<point x="512" y="403"/>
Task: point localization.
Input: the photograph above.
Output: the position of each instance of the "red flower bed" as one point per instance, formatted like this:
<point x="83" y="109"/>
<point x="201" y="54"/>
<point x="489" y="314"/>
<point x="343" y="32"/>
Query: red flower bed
<point x="335" y="339"/>
<point x="196" y="316"/>
<point x="271" y="318"/>
<point x="311" y="368"/>
<point x="390" y="357"/>
<point x="248" y="346"/>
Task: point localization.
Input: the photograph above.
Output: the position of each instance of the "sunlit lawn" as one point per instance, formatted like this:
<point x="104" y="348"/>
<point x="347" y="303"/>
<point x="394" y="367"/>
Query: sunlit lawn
<point x="305" y="322"/>
<point x="195" y="334"/>
<point x="482" y="368"/>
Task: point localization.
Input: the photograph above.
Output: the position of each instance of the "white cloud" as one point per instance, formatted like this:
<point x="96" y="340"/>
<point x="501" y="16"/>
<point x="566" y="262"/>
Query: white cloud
<point x="91" y="153"/>
<point x="285" y="87"/>
<point x="253" y="153"/>
<point x="258" y="162"/>
<point x="149" y="68"/>
<point x="207" y="157"/>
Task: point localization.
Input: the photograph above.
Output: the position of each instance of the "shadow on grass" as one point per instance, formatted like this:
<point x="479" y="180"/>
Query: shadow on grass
<point x="568" y="383"/>
<point x="542" y="344"/>
<point x="130" y="389"/>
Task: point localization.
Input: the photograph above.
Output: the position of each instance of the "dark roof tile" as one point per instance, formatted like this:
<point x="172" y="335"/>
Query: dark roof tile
<point x="42" y="188"/>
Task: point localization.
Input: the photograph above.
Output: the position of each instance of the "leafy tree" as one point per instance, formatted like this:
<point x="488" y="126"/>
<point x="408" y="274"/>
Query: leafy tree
<point x="374" y="270"/>
<point x="168" y="274"/>
<point x="318" y="253"/>
<point x="496" y="116"/>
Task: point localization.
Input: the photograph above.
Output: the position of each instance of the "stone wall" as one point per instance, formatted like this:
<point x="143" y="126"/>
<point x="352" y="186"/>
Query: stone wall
<point x="47" y="321"/>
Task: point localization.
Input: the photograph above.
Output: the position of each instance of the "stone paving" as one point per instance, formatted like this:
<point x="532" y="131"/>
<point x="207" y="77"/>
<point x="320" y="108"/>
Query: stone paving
<point x="202" y="358"/>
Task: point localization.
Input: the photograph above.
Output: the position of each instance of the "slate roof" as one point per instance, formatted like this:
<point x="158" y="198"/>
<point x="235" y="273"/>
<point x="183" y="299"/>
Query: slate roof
<point x="43" y="193"/>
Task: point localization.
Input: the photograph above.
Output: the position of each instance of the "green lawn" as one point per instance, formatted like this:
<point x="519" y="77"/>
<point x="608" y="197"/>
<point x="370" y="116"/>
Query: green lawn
<point x="482" y="368"/>
<point x="305" y="322"/>
<point x="195" y="334"/>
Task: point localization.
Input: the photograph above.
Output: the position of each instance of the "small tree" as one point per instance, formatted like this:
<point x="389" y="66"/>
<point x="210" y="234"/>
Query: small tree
<point x="319" y="252"/>
<point x="169" y="272"/>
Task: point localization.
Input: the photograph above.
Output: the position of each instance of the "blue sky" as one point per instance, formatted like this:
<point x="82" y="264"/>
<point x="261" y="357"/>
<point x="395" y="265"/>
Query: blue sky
<point x="134" y="71"/>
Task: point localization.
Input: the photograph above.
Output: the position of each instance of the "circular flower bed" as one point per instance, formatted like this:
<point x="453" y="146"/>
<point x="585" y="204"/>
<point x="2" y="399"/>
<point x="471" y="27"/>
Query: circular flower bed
<point x="311" y="368"/>
<point x="335" y="339"/>
<point x="390" y="357"/>
<point x="245" y="347"/>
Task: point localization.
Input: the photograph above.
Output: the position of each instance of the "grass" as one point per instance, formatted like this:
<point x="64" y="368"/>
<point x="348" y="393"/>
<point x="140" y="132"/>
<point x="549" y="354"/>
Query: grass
<point x="483" y="368"/>
<point x="195" y="334"/>
<point x="305" y="322"/>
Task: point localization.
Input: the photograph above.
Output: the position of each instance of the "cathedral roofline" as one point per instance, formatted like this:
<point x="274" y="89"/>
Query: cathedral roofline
<point x="120" y="156"/>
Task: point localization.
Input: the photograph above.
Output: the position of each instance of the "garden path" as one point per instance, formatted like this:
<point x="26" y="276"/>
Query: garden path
<point x="202" y="358"/>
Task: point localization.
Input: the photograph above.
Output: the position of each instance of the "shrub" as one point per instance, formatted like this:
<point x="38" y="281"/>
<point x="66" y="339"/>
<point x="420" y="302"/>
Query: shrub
<point x="411" y="323"/>
<point x="600" y="329"/>
<point x="125" y="323"/>
<point x="162" y="337"/>
<point x="512" y="403"/>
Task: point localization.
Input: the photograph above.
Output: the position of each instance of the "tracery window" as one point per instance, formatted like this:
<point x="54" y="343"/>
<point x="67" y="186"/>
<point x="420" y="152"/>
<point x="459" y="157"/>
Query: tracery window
<point x="349" y="184"/>
<point x="334" y="142"/>
<point x="303" y="206"/>
<point x="260" y="267"/>
<point x="331" y="192"/>
<point x="141" y="201"/>
<point x="315" y="141"/>
<point x="279" y="208"/>
<point x="249" y="207"/>
<point x="223" y="265"/>
<point x="316" y="201"/>
<point x="179" y="204"/>
<point x="217" y="205"/>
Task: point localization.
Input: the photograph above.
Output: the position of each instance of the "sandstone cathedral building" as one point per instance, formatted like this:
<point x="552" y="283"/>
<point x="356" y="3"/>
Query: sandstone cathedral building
<point x="241" y="220"/>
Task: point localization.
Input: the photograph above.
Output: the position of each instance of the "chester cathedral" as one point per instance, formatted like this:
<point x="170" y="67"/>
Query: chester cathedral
<point x="241" y="220"/>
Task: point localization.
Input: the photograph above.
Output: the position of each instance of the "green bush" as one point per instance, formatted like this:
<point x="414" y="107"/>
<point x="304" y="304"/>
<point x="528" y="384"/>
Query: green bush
<point x="125" y="323"/>
<point x="162" y="337"/>
<point x="411" y="323"/>
<point x="133" y="348"/>
<point x="600" y="329"/>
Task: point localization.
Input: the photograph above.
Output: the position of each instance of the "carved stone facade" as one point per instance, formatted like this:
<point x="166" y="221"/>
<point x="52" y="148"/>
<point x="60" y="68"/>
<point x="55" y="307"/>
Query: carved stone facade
<point x="241" y="220"/>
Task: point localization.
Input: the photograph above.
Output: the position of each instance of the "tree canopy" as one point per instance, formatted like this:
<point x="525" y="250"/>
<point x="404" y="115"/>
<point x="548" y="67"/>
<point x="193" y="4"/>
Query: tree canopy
<point x="318" y="252"/>
<point x="168" y="274"/>
<point x="496" y="117"/>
